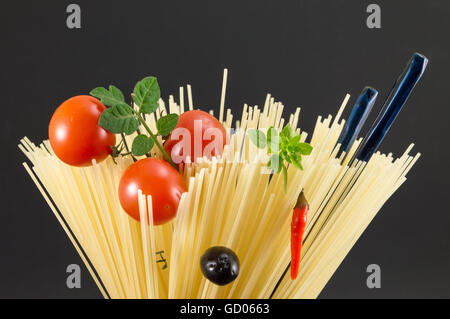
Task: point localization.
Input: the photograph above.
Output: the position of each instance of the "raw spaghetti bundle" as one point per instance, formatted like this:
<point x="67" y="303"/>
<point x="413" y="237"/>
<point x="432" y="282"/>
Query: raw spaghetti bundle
<point x="231" y="201"/>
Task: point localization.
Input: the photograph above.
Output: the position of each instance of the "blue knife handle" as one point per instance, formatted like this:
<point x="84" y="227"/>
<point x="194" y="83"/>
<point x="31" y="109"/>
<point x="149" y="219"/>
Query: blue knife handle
<point x="394" y="102"/>
<point x="356" y="120"/>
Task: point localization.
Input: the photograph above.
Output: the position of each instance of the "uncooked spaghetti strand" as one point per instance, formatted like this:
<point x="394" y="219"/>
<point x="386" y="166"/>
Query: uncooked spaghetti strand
<point x="67" y="231"/>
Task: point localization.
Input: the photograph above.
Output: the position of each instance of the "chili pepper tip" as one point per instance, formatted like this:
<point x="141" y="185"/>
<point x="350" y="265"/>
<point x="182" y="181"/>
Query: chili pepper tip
<point x="301" y="200"/>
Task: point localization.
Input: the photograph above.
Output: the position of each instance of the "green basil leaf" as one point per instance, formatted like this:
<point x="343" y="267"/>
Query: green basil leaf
<point x="275" y="144"/>
<point x="305" y="148"/>
<point x="117" y="93"/>
<point x="119" y="119"/>
<point x="286" y="131"/>
<point x="275" y="163"/>
<point x="287" y="157"/>
<point x="292" y="148"/>
<point x="271" y="132"/>
<point x="258" y="138"/>
<point x="294" y="141"/>
<point x="111" y="97"/>
<point x="273" y="141"/>
<point x="146" y="94"/>
<point x="297" y="162"/>
<point x="142" y="144"/>
<point x="295" y="148"/>
<point x="166" y="124"/>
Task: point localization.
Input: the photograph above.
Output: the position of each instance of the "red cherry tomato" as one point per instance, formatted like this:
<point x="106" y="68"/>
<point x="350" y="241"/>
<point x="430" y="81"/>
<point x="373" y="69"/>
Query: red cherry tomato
<point x="153" y="177"/>
<point x="204" y="129"/>
<point x="74" y="133"/>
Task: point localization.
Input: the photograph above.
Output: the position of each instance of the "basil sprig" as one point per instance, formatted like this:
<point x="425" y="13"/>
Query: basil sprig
<point x="283" y="148"/>
<point x="121" y="118"/>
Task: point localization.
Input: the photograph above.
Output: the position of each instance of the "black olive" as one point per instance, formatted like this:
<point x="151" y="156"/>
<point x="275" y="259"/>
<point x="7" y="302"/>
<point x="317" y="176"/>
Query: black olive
<point x="220" y="265"/>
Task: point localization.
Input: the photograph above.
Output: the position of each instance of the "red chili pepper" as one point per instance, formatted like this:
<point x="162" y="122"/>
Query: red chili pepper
<point x="297" y="228"/>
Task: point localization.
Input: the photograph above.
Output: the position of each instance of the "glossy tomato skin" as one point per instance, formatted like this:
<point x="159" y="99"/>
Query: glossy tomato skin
<point x="187" y="120"/>
<point x="74" y="133"/>
<point x="153" y="177"/>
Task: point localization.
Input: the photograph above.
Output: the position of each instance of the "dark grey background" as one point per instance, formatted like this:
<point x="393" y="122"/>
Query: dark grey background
<point x="306" y="53"/>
